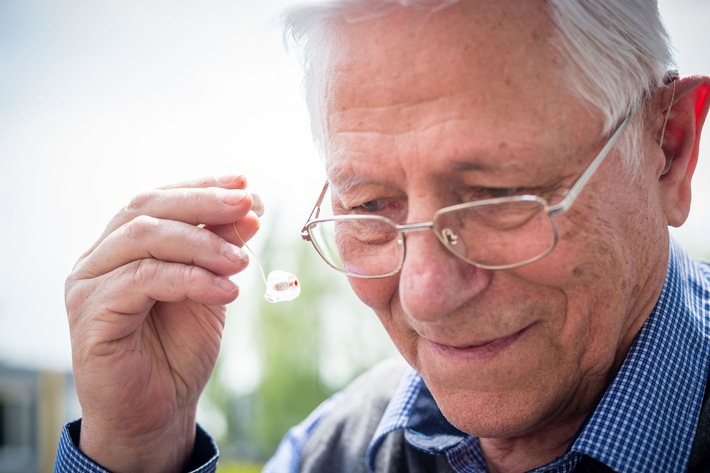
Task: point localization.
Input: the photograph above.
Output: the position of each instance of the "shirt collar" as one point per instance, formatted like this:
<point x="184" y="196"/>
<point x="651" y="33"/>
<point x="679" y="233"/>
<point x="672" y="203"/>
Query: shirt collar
<point x="397" y="413"/>
<point x="667" y="362"/>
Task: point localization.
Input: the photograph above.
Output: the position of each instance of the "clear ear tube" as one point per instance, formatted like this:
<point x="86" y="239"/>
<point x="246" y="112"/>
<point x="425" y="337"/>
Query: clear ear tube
<point x="280" y="285"/>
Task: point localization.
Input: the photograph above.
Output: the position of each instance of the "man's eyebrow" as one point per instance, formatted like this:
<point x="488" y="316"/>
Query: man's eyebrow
<point x="343" y="181"/>
<point x="481" y="165"/>
<point x="472" y="165"/>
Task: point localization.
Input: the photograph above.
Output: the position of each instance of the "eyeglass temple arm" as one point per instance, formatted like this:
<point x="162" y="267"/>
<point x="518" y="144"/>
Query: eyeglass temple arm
<point x="669" y="78"/>
<point x="314" y="213"/>
<point x="579" y="185"/>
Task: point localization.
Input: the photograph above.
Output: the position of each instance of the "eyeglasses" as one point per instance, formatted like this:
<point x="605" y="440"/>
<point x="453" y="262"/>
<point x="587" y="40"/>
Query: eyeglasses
<point x="493" y="234"/>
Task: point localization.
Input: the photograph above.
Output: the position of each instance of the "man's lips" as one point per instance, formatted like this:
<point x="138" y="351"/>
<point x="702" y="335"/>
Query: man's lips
<point x="477" y="351"/>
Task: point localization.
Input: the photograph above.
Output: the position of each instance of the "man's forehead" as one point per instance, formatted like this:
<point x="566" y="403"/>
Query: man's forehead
<point x="472" y="53"/>
<point x="475" y="28"/>
<point x="522" y="165"/>
<point x="472" y="87"/>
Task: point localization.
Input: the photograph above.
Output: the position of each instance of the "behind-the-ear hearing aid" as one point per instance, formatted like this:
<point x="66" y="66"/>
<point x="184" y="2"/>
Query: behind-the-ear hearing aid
<point x="669" y="78"/>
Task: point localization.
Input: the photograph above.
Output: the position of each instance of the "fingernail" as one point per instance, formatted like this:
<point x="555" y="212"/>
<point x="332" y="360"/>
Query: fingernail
<point x="234" y="196"/>
<point x="225" y="284"/>
<point x="257" y="205"/>
<point x="233" y="253"/>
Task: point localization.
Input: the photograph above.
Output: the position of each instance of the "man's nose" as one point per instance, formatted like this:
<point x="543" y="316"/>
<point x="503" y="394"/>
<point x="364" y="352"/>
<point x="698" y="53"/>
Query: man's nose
<point x="433" y="282"/>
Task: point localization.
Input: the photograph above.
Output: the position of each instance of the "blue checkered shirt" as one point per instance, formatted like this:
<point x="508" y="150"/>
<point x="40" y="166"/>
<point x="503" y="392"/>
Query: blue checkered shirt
<point x="645" y="422"/>
<point x="71" y="460"/>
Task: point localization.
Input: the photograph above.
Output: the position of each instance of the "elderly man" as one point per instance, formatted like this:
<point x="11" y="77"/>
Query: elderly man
<point x="528" y="157"/>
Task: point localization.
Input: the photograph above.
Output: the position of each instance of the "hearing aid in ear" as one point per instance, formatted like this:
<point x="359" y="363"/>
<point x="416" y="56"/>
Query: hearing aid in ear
<point x="669" y="78"/>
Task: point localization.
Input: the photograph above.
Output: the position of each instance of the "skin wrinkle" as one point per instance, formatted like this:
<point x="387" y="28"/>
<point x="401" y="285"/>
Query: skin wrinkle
<point x="460" y="109"/>
<point x="576" y="216"/>
<point x="501" y="164"/>
<point x="575" y="312"/>
<point x="399" y="127"/>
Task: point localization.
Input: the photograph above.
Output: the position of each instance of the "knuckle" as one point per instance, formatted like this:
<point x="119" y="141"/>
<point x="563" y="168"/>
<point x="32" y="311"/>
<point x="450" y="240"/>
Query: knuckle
<point x="139" y="201"/>
<point x="189" y="274"/>
<point x="167" y="280"/>
<point x="80" y="297"/>
<point x="74" y="295"/>
<point x="137" y="207"/>
<point x="141" y="226"/>
<point x="146" y="273"/>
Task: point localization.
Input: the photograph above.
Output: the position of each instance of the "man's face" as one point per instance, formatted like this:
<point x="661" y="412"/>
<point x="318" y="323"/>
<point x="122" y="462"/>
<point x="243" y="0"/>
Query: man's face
<point x="433" y="110"/>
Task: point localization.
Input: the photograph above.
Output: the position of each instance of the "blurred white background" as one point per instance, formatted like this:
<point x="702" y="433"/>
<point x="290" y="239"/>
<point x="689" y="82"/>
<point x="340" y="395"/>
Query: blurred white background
<point x="101" y="100"/>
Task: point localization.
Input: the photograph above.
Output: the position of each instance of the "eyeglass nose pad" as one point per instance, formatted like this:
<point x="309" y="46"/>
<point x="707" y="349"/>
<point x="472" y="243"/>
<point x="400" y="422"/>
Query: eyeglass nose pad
<point x="450" y="236"/>
<point x="453" y="241"/>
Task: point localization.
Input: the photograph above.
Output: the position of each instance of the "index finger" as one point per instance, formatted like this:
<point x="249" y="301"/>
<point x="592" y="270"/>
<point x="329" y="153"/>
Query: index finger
<point x="207" y="200"/>
<point x="227" y="181"/>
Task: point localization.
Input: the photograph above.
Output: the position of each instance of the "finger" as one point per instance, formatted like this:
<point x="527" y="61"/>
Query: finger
<point x="131" y="291"/>
<point x="156" y="203"/>
<point x="191" y="205"/>
<point x="166" y="240"/>
<point x="169" y="282"/>
<point x="195" y="206"/>
<point x="230" y="181"/>
<point x="238" y="232"/>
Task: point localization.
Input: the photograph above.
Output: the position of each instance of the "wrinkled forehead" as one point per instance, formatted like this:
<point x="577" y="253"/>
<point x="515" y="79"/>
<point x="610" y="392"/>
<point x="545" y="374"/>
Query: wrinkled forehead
<point x="482" y="27"/>
<point x="495" y="56"/>
<point x="484" y="62"/>
<point x="495" y="43"/>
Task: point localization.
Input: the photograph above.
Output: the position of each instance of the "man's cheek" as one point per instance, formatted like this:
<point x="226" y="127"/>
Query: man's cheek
<point x="375" y="293"/>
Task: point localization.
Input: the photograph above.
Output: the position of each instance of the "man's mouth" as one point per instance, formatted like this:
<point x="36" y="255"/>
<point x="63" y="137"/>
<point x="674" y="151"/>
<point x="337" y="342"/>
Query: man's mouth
<point x="478" y="350"/>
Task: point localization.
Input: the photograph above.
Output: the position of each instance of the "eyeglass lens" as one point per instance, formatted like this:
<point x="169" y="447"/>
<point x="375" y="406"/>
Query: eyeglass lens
<point x="491" y="235"/>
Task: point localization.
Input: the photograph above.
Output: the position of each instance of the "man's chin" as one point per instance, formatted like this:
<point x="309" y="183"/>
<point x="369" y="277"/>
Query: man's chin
<point x="489" y="416"/>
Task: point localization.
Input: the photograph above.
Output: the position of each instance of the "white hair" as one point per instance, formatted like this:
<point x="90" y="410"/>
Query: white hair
<point x="614" y="52"/>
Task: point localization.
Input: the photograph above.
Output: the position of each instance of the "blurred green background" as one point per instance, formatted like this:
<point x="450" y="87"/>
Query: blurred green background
<point x="307" y="349"/>
<point x="102" y="100"/>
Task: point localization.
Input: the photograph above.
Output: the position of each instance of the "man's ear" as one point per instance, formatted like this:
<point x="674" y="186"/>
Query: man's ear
<point x="681" y="141"/>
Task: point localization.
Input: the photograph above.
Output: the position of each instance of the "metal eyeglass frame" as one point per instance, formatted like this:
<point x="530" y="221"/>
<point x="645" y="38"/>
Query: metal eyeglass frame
<point x="551" y="210"/>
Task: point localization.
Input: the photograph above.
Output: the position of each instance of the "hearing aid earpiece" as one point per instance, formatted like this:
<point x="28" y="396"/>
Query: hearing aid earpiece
<point x="280" y="285"/>
<point x="667" y="167"/>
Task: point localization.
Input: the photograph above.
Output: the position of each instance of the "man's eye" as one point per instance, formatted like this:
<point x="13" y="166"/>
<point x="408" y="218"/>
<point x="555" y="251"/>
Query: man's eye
<point x="392" y="208"/>
<point x="371" y="206"/>
<point x="497" y="192"/>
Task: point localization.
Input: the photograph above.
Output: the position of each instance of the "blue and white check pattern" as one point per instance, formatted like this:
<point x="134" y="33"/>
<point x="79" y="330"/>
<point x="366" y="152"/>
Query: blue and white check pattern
<point x="647" y="418"/>
<point x="645" y="422"/>
<point x="71" y="460"/>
